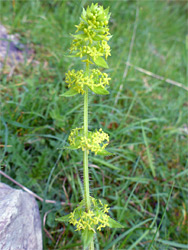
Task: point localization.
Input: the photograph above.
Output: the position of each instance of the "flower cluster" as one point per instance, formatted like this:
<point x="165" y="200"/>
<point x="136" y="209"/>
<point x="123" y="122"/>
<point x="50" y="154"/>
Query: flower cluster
<point x="99" y="79"/>
<point x="95" y="141"/>
<point x="95" y="218"/>
<point x="77" y="80"/>
<point x="93" y="33"/>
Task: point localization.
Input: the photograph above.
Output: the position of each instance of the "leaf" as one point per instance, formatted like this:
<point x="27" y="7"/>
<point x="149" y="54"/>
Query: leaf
<point x="80" y="36"/>
<point x="88" y="12"/>
<point x="114" y="224"/>
<point x="127" y="232"/>
<point x="98" y="37"/>
<point x="87" y="237"/>
<point x="106" y="12"/>
<point x="101" y="16"/>
<point x="72" y="147"/>
<point x="69" y="93"/>
<point x="109" y="37"/>
<point x="71" y="56"/>
<point x="173" y="244"/>
<point x="51" y="220"/>
<point x="83" y="16"/>
<point x="64" y="218"/>
<point x="99" y="90"/>
<point x="104" y="152"/>
<point x="101" y="62"/>
<point x="106" y="163"/>
<point x="149" y="154"/>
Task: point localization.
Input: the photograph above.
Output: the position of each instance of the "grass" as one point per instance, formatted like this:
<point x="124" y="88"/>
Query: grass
<point x="145" y="182"/>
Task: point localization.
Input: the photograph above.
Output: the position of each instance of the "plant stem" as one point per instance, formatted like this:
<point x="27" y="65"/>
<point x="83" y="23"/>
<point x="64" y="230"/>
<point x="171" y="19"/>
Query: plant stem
<point x="91" y="247"/>
<point x="86" y="173"/>
<point x="85" y="166"/>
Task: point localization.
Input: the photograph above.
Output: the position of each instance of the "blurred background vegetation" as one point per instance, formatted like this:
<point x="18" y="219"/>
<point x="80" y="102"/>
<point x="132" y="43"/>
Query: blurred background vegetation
<point x="145" y="182"/>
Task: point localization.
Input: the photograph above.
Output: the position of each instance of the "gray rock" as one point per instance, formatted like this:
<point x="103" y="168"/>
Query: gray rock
<point x="12" y="52"/>
<point x="20" y="224"/>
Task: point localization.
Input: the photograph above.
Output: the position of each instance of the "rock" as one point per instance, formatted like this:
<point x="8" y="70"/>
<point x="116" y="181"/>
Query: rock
<point x="20" y="223"/>
<point x="12" y="51"/>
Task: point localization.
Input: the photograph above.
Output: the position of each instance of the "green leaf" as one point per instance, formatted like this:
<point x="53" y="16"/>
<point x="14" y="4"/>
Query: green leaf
<point x="109" y="37"/>
<point x="99" y="90"/>
<point x="99" y="38"/>
<point x="106" y="12"/>
<point x="104" y="152"/>
<point x="71" y="56"/>
<point x="51" y="220"/>
<point x="80" y="36"/>
<point x="101" y="62"/>
<point x="149" y="153"/>
<point x="101" y="16"/>
<point x="69" y="93"/>
<point x="87" y="237"/>
<point x="83" y="16"/>
<point x="114" y="224"/>
<point x="72" y="147"/>
<point x="64" y="218"/>
<point x="173" y="244"/>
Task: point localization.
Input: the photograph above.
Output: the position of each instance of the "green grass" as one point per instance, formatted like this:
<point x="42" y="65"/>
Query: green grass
<point x="146" y="124"/>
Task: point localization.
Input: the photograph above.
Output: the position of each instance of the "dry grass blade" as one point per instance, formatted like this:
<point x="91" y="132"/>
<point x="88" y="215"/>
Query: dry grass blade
<point x="149" y="73"/>
<point x="129" y="55"/>
<point x="30" y="192"/>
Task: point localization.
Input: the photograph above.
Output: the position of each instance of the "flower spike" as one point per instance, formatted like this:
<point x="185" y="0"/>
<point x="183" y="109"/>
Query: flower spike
<point x="93" y="34"/>
<point x="90" y="43"/>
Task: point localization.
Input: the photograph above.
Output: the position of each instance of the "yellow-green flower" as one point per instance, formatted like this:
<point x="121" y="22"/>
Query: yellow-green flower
<point x="93" y="33"/>
<point x="95" y="142"/>
<point x="77" y="80"/>
<point x="94" y="219"/>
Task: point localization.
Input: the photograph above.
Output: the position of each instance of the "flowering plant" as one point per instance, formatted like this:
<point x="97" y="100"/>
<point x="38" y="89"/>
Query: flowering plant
<point x="90" y="43"/>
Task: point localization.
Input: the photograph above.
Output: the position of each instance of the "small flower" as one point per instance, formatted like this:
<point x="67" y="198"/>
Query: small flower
<point x="106" y="208"/>
<point x="96" y="141"/>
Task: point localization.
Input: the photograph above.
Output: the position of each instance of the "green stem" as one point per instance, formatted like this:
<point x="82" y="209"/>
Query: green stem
<point x="91" y="247"/>
<point x="86" y="172"/>
<point x="86" y="181"/>
<point x="85" y="166"/>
